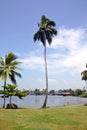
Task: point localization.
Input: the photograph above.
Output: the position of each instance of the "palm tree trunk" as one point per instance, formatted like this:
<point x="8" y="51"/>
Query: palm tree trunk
<point x="4" y="95"/>
<point x="10" y="100"/>
<point x="46" y="73"/>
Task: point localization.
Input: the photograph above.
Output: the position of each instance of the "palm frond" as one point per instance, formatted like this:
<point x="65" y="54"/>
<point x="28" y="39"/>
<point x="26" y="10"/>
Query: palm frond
<point x="84" y="75"/>
<point x="52" y="31"/>
<point x="12" y="78"/>
<point x="14" y="64"/>
<point x="48" y="37"/>
<point x="4" y="76"/>
<point x="51" y="23"/>
<point x="10" y="57"/>
<point x="14" y="73"/>
<point x="36" y="36"/>
<point x="84" y="72"/>
<point x="43" y="18"/>
<point x="1" y="61"/>
<point x="1" y="71"/>
<point x="42" y="36"/>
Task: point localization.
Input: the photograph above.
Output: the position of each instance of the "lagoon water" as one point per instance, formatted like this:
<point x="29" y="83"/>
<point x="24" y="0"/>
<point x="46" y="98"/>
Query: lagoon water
<point x="37" y="101"/>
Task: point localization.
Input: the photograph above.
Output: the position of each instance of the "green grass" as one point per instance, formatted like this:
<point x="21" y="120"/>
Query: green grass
<point x="58" y="118"/>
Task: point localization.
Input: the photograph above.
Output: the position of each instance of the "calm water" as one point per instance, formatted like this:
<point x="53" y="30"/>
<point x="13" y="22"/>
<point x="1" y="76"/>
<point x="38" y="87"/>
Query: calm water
<point x="37" y="101"/>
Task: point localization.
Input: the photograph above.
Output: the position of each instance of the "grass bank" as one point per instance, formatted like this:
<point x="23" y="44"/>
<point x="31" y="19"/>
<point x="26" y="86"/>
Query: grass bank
<point x="58" y="118"/>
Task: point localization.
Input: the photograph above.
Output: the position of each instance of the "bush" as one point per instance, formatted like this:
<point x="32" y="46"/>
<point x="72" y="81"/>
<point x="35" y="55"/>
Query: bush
<point x="84" y="95"/>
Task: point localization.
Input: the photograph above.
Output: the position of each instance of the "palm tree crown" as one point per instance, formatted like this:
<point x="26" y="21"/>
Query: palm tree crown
<point x="8" y="65"/>
<point x="84" y="74"/>
<point x="46" y="30"/>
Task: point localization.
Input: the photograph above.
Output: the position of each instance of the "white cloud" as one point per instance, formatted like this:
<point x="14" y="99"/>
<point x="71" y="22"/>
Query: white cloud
<point x="33" y="62"/>
<point x="75" y="54"/>
<point x="67" y="54"/>
<point x="68" y="38"/>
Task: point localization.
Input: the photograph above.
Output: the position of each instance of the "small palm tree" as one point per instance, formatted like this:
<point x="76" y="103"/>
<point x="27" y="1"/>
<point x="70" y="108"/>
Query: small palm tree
<point x="45" y="33"/>
<point x="84" y="74"/>
<point x="10" y="91"/>
<point x="8" y="65"/>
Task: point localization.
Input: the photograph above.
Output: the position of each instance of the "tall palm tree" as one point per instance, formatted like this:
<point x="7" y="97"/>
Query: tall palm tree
<point x="8" y="65"/>
<point x="45" y="33"/>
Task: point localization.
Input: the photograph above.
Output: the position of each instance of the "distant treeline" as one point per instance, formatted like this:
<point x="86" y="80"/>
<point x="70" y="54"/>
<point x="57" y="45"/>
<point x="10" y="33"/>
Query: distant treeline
<point x="65" y="92"/>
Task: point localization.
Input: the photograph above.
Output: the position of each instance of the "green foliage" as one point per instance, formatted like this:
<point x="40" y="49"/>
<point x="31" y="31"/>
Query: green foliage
<point x="8" y="65"/>
<point x="84" y="95"/>
<point x="11" y="90"/>
<point x="37" y="92"/>
<point x="78" y="92"/>
<point x="84" y="74"/>
<point x="46" y="30"/>
<point x="52" y="92"/>
<point x="20" y="94"/>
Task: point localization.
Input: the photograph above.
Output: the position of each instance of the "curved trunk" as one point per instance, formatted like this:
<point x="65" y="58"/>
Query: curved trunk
<point x="4" y="95"/>
<point x="46" y="74"/>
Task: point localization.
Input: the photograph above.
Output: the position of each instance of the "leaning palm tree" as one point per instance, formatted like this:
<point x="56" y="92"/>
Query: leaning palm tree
<point x="8" y="65"/>
<point x="45" y="33"/>
<point x="84" y="75"/>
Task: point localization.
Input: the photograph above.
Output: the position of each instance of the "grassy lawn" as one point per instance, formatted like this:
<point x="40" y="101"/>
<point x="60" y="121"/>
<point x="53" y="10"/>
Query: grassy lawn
<point x="58" y="118"/>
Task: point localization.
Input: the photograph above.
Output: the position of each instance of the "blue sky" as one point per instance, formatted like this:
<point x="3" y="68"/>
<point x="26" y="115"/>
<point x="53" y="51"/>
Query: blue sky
<point x="67" y="55"/>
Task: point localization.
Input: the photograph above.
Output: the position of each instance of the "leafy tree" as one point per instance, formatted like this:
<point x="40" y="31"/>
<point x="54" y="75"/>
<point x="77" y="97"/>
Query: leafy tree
<point x="37" y="92"/>
<point x="11" y="90"/>
<point x="52" y="92"/>
<point x="78" y="92"/>
<point x="45" y="33"/>
<point x="8" y="67"/>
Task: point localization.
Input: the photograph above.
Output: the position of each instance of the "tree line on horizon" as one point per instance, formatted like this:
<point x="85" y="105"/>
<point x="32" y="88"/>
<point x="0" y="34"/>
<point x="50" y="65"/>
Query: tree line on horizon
<point x="62" y="92"/>
<point x="9" y="64"/>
